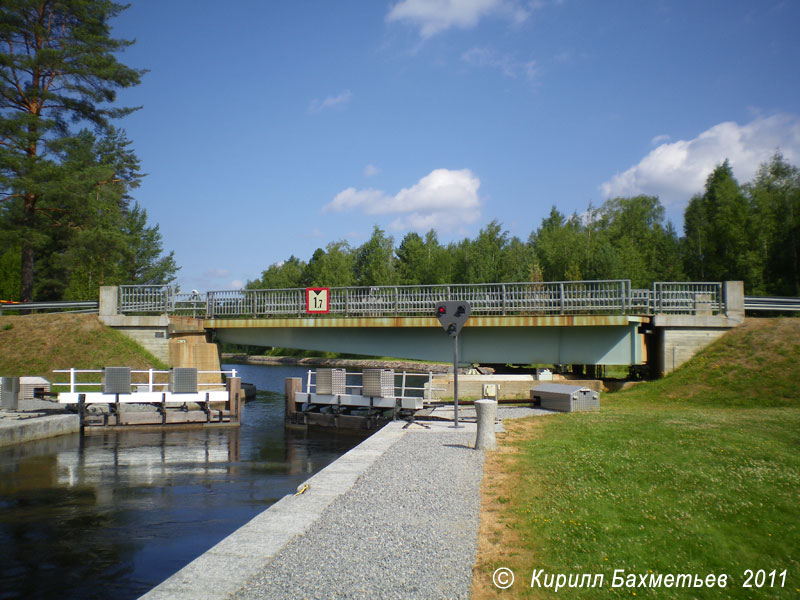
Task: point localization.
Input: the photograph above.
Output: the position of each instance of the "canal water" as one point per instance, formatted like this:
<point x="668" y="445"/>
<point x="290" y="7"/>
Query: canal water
<point x="110" y="515"/>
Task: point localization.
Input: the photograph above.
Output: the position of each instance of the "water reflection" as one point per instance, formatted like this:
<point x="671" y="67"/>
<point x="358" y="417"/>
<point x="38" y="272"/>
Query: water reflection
<point x="112" y="514"/>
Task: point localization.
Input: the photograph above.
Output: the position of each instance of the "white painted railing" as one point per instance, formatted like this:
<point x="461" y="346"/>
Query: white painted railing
<point x="150" y="384"/>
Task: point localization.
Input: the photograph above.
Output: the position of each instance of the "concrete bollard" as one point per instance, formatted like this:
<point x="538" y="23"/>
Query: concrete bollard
<point x="487" y="412"/>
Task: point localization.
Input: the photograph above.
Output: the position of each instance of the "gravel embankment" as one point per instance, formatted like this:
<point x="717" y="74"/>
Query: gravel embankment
<point x="407" y="529"/>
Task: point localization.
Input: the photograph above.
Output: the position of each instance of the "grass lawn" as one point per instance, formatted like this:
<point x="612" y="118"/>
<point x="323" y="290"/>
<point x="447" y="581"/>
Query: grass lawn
<point x="696" y="473"/>
<point x="35" y="344"/>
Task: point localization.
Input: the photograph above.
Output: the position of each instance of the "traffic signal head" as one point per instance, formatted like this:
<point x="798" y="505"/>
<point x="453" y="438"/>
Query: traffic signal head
<point x="452" y="315"/>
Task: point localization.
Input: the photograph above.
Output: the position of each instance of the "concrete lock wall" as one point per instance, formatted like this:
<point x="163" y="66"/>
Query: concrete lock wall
<point x="511" y="387"/>
<point x="471" y="386"/>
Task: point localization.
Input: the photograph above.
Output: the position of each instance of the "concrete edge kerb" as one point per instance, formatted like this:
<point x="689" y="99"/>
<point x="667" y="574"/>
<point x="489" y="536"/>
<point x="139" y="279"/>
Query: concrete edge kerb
<point x="226" y="567"/>
<point x="37" y="428"/>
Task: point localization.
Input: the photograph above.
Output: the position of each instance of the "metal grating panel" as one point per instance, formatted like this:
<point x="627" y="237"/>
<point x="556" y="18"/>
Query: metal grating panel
<point x="117" y="380"/>
<point x="9" y="393"/>
<point x="183" y="380"/>
<point x="378" y="383"/>
<point x="331" y="381"/>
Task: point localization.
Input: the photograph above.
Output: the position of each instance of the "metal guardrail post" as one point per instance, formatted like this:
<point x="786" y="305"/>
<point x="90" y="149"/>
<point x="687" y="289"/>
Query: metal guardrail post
<point x="561" y="296"/>
<point x="622" y="297"/>
<point x="654" y="300"/>
<point x="503" y="287"/>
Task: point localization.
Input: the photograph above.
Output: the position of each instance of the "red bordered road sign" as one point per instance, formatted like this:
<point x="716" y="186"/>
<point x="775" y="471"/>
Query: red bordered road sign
<point x="318" y="300"/>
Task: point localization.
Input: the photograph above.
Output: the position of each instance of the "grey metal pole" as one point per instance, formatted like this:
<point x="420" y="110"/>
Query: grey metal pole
<point x="455" y="383"/>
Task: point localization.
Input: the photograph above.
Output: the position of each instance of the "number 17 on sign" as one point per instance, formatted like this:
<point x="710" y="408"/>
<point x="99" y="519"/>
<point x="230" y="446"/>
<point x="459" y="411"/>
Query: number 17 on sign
<point x="317" y="300"/>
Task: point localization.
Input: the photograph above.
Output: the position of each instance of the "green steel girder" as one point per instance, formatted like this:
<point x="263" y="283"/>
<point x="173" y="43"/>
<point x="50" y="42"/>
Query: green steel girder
<point x="618" y="342"/>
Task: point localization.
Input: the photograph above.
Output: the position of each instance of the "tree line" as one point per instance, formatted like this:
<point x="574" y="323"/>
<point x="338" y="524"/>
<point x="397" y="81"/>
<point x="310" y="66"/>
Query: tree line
<point x="68" y="223"/>
<point x="745" y="232"/>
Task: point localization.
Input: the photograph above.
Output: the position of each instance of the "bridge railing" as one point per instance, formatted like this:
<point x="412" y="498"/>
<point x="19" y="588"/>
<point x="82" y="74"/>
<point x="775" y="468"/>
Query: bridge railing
<point x="567" y="297"/>
<point x="145" y="298"/>
<point x="529" y="298"/>
<point x="693" y="298"/>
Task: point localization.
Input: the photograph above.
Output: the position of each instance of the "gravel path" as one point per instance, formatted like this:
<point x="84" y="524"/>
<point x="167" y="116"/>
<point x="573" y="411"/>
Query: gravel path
<point x="407" y="529"/>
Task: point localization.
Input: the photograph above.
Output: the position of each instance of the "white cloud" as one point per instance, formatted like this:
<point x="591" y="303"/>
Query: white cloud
<point x="237" y="284"/>
<point x="659" y="139"/>
<point x="442" y="199"/>
<point x="506" y="63"/>
<point x="318" y="105"/>
<point x="371" y="171"/>
<point x="351" y="199"/>
<point x="434" y="16"/>
<point x="676" y="171"/>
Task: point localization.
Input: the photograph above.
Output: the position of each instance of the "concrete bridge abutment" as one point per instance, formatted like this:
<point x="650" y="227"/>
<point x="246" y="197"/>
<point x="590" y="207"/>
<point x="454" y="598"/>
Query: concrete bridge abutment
<point x="677" y="338"/>
<point x="175" y="341"/>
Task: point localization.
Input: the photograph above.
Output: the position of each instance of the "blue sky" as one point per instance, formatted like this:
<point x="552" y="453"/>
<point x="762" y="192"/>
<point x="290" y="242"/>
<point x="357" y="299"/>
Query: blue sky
<point x="272" y="128"/>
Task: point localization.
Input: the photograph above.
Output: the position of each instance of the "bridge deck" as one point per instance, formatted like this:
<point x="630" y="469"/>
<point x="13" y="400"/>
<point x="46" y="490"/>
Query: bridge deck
<point x="474" y="321"/>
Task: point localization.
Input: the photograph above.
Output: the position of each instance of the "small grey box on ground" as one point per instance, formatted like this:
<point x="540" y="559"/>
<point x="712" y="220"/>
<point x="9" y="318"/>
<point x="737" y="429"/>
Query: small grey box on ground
<point x="378" y="383"/>
<point x="183" y="380"/>
<point x="566" y="398"/>
<point x="331" y="381"/>
<point x="117" y="380"/>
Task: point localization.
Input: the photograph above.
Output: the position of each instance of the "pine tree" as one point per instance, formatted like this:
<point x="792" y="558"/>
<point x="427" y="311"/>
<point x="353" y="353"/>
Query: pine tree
<point x="720" y="231"/>
<point x="57" y="68"/>
<point x="775" y="197"/>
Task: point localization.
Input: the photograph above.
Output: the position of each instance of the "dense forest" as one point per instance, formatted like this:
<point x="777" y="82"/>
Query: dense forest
<point x="731" y="232"/>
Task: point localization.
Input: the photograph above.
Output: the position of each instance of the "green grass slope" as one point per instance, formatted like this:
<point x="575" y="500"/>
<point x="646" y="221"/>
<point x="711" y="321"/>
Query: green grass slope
<point x="755" y="365"/>
<point x="696" y="473"/>
<point x="37" y="344"/>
